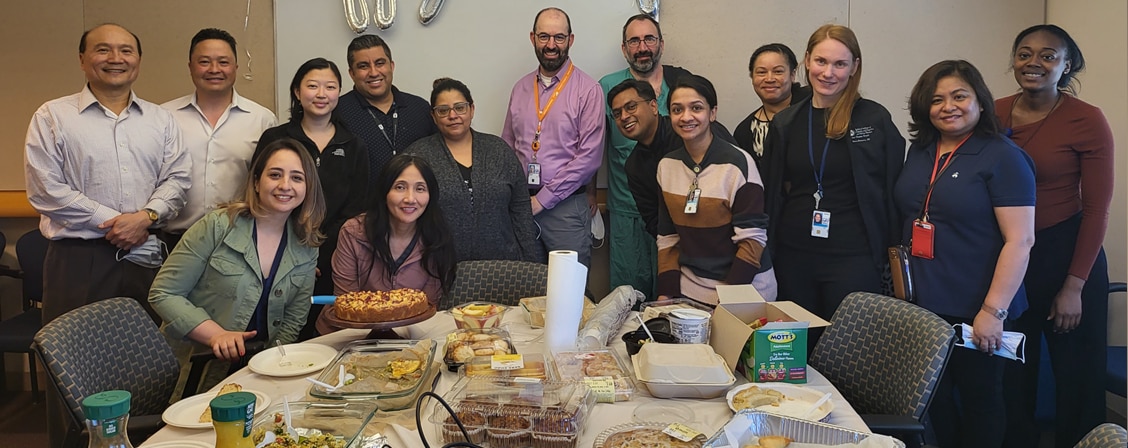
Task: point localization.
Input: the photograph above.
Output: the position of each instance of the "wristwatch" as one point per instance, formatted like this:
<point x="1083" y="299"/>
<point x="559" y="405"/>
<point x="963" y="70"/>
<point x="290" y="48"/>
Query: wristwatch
<point x="153" y="216"/>
<point x="999" y="314"/>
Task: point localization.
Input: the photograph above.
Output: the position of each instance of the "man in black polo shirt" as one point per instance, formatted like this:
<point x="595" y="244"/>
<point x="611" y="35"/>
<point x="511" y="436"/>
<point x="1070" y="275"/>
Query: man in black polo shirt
<point x="386" y="119"/>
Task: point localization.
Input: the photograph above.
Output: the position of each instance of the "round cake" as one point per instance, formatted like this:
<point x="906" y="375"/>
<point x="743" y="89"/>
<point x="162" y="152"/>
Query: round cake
<point x="381" y="306"/>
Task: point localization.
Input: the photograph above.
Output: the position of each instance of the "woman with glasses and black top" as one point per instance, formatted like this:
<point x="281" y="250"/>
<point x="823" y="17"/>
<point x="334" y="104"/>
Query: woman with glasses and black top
<point x="485" y="193"/>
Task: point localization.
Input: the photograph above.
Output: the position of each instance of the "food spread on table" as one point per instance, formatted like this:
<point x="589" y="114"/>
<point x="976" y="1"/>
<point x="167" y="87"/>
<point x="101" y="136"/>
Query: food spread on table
<point x="381" y="306"/>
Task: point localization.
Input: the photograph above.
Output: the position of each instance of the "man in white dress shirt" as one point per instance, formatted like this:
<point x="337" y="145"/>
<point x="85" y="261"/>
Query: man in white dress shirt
<point x="220" y="128"/>
<point x="104" y="169"/>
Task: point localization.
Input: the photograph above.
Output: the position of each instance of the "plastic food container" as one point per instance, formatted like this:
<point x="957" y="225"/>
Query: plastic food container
<point x="681" y="363"/>
<point x="582" y="365"/>
<point x="476" y="315"/>
<point x="536" y="366"/>
<point x="508" y="413"/>
<point x="343" y="420"/>
<point x="748" y="425"/>
<point x="634" y="339"/>
<point x="645" y="434"/>
<point x="535" y="308"/>
<point x="464" y="345"/>
<point x="385" y="370"/>
<point x="662" y="308"/>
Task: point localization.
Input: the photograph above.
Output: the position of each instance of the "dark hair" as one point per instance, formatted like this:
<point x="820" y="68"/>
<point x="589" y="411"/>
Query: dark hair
<point x="365" y="42"/>
<point x="82" y="40"/>
<point x="782" y="49"/>
<point x="296" y="110"/>
<point x="1072" y="51"/>
<point x="644" y="89"/>
<point x="698" y="83"/>
<point x="920" y="100"/>
<point x="444" y="84"/>
<point x="213" y="33"/>
<point x="308" y="216"/>
<point x="537" y="19"/>
<point x="638" y="17"/>
<point x="438" y="250"/>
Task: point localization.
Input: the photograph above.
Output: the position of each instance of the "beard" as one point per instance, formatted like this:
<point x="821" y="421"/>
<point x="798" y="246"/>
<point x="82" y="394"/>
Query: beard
<point x="552" y="65"/>
<point x="646" y="66"/>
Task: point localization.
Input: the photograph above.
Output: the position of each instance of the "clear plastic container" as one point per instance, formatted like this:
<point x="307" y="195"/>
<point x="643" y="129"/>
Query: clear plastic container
<point x="662" y="308"/>
<point x="107" y="415"/>
<point x="509" y="413"/>
<point x="477" y="315"/>
<point x="411" y="362"/>
<point x="582" y="365"/>
<point x="536" y="366"/>
<point x="535" y="308"/>
<point x="344" y="420"/>
<point x="464" y="345"/>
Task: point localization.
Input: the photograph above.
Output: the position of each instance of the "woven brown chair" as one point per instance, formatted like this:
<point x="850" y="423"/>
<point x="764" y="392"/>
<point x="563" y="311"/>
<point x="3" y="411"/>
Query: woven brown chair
<point x="886" y="356"/>
<point x="499" y="281"/>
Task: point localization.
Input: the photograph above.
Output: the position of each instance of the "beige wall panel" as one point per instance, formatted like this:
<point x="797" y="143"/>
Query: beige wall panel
<point x="42" y="39"/>
<point x="900" y="39"/>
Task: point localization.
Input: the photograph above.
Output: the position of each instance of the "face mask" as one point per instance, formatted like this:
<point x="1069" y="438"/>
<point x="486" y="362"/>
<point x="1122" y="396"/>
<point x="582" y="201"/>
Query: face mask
<point x="151" y="254"/>
<point x="1012" y="347"/>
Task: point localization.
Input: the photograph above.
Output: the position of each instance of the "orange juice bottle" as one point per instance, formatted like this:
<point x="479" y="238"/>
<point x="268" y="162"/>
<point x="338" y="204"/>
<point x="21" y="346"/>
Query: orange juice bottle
<point x="232" y="417"/>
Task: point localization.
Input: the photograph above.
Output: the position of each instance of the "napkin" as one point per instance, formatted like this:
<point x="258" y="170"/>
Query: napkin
<point x="564" y="304"/>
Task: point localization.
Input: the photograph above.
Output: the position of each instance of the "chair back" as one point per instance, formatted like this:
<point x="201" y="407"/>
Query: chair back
<point x="31" y="250"/>
<point x="1106" y="435"/>
<point x="109" y="344"/>
<point x="885" y="355"/>
<point x="500" y="281"/>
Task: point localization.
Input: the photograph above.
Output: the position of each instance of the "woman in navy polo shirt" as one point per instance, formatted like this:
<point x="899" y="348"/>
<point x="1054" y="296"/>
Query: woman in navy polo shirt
<point x="966" y="194"/>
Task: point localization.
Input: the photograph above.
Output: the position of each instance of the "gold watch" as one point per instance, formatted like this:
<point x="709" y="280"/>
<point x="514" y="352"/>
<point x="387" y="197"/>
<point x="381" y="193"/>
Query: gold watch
<point x="153" y="216"/>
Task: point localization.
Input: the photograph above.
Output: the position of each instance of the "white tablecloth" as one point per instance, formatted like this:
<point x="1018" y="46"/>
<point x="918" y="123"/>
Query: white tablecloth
<point x="710" y="415"/>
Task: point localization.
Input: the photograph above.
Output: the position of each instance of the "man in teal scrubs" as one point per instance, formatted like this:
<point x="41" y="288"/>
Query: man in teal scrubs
<point x="634" y="254"/>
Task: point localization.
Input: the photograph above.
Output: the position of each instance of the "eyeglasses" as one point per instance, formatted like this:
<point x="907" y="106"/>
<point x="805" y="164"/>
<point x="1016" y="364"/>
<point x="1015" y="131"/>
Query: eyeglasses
<point x="650" y="41"/>
<point x="630" y="107"/>
<point x="559" y="38"/>
<point x="458" y="108"/>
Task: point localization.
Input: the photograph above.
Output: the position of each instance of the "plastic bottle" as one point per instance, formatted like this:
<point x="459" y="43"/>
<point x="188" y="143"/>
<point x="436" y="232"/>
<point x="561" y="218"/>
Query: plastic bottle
<point x="232" y="417"/>
<point x="107" y="414"/>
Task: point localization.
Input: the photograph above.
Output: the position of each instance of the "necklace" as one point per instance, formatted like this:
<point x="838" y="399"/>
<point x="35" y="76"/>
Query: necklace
<point x="1010" y="119"/>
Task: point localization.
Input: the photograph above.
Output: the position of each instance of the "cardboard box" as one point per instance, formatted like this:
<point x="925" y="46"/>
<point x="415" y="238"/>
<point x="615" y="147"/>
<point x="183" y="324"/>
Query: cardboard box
<point x="741" y="304"/>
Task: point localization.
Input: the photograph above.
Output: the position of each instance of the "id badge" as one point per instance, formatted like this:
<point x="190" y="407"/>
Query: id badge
<point x="820" y="224"/>
<point x="691" y="201"/>
<point x="922" y="239"/>
<point x="534" y="174"/>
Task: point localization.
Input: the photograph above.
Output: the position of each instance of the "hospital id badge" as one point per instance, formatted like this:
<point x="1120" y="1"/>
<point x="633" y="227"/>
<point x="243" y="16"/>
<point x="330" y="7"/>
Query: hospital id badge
<point x="820" y="224"/>
<point x="922" y="239"/>
<point x="691" y="201"/>
<point x="534" y="174"/>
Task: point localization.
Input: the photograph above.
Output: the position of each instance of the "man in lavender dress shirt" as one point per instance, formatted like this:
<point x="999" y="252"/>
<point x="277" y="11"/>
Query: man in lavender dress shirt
<point x="555" y="123"/>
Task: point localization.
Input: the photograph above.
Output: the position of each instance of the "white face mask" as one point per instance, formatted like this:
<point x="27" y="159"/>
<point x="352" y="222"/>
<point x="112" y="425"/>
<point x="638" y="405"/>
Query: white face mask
<point x="1012" y="347"/>
<point x="151" y="254"/>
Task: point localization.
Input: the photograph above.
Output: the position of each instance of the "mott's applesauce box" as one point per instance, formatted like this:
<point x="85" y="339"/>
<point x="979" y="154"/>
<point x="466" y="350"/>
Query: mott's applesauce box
<point x="776" y="352"/>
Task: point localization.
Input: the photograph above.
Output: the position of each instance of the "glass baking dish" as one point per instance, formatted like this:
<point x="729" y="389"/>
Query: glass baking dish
<point x="389" y="371"/>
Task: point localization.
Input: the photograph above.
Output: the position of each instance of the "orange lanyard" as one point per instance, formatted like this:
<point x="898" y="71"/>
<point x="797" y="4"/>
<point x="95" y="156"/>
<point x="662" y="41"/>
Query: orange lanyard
<point x="541" y="113"/>
<point x="935" y="167"/>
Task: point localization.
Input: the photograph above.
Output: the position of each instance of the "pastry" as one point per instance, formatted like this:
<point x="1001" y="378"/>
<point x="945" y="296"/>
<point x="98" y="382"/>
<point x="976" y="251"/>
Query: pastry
<point x="226" y="389"/>
<point x="381" y="306"/>
<point x="755" y="396"/>
<point x="648" y="438"/>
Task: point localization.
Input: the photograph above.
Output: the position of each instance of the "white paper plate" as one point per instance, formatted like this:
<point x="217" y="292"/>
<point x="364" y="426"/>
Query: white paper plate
<point x="186" y="413"/>
<point x="304" y="358"/>
<point x="180" y="444"/>
<point x="797" y="400"/>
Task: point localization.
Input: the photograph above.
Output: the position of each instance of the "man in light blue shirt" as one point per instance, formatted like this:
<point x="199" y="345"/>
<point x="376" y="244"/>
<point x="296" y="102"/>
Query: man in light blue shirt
<point x="104" y="169"/>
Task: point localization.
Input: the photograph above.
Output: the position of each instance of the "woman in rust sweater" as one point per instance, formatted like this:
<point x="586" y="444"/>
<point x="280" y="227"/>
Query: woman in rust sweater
<point x="1067" y="278"/>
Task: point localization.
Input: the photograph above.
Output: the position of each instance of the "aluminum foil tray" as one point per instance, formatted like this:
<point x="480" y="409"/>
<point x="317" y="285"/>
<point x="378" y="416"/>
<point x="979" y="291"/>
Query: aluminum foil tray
<point x="749" y="423"/>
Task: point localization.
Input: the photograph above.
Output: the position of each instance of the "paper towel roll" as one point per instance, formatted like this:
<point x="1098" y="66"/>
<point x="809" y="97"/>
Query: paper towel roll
<point x="567" y="278"/>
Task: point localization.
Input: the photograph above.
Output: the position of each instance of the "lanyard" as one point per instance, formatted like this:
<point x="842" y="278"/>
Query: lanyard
<point x="936" y="171"/>
<point x="811" y="153"/>
<point x="541" y="113"/>
<point x="380" y="125"/>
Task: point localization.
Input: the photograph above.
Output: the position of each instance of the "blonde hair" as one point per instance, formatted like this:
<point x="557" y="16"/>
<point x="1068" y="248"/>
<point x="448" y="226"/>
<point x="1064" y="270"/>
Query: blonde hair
<point x="838" y="121"/>
<point x="308" y="216"/>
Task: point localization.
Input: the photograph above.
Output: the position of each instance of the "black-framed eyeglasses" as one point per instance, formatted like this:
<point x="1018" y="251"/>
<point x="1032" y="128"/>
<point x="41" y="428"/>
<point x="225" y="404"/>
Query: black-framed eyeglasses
<point x="559" y="38"/>
<point x="650" y="41"/>
<point x="630" y="107"/>
<point x="458" y="108"/>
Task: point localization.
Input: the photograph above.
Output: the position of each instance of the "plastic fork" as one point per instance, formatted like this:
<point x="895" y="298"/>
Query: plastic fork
<point x="282" y="362"/>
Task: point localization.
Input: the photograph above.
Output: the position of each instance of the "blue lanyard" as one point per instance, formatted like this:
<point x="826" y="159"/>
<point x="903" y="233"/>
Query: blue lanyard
<point x="811" y="154"/>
